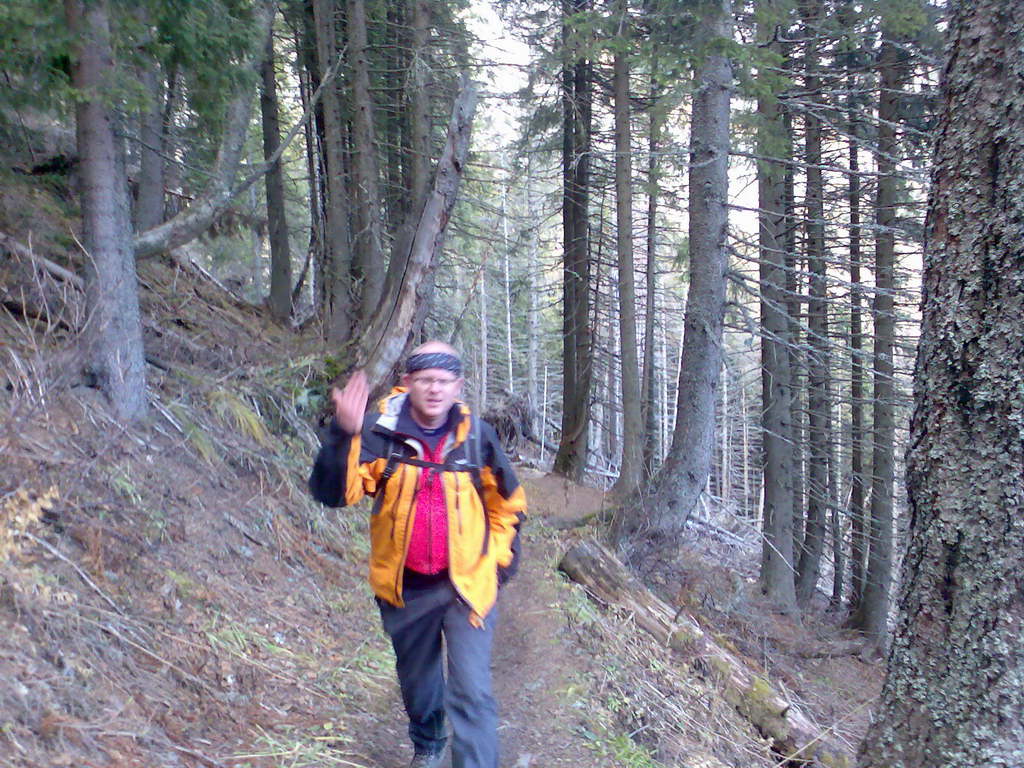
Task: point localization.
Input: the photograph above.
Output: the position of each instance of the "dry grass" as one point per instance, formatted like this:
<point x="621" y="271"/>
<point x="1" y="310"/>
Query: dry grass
<point x="180" y="601"/>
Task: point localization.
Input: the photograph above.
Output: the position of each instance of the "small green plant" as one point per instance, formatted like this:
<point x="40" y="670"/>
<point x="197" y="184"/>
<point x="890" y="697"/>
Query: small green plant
<point x="580" y="608"/>
<point x="621" y="748"/>
<point x="124" y="487"/>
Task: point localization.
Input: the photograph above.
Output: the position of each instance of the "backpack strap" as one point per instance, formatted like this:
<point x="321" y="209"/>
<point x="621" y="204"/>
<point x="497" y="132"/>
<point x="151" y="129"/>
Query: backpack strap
<point x="394" y="456"/>
<point x="471" y="463"/>
<point x="474" y="454"/>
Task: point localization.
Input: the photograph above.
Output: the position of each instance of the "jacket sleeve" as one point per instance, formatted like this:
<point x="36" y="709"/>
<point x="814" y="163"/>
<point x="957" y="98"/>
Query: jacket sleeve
<point x="503" y="499"/>
<point x="344" y="470"/>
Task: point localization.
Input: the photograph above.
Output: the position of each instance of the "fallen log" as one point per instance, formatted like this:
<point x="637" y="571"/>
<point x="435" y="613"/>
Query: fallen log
<point x="747" y="688"/>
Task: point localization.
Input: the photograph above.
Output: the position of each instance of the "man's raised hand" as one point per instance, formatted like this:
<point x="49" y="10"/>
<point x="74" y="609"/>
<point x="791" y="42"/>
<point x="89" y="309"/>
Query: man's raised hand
<point x="350" y="403"/>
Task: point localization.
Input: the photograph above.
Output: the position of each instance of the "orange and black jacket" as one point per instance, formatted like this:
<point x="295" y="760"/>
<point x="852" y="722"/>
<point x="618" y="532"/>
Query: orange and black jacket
<point x="481" y="531"/>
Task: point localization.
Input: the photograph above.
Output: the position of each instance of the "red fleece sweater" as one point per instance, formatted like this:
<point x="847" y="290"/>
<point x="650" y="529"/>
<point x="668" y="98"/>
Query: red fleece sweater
<point x="428" y="543"/>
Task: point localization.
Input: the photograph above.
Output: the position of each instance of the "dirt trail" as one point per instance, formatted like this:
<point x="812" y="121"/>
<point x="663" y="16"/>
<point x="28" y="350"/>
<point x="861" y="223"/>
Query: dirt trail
<point x="535" y="659"/>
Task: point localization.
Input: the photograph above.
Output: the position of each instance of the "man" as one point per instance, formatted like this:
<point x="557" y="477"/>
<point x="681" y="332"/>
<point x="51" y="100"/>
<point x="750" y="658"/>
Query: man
<point x="445" y="517"/>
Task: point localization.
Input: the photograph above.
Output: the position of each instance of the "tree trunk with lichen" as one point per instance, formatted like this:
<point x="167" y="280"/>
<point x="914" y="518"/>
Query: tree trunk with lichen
<point x="954" y="693"/>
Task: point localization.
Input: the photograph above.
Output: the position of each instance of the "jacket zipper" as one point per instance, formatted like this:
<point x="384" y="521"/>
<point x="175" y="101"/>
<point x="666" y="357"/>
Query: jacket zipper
<point x="405" y="544"/>
<point x="430" y="523"/>
<point x="408" y="530"/>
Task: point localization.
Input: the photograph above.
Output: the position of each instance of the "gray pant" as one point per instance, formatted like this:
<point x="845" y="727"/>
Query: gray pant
<point x="433" y="609"/>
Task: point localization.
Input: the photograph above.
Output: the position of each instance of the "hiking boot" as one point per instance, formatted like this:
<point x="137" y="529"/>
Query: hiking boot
<point x="425" y="760"/>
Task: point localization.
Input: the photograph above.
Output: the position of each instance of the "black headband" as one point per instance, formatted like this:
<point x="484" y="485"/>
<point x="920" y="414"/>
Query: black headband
<point x="442" y="360"/>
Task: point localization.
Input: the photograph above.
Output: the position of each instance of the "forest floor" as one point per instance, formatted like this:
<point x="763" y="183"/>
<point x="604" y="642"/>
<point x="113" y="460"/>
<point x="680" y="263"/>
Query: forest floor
<point x="177" y="599"/>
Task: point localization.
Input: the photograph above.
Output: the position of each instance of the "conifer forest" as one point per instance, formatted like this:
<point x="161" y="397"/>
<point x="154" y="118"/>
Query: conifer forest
<point x="751" y="271"/>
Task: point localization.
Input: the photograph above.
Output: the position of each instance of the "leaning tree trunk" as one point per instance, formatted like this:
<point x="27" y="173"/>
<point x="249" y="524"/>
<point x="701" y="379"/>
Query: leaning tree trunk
<point x="388" y="329"/>
<point x="113" y="333"/>
<point x="661" y="517"/>
<point x="954" y="692"/>
<point x="277" y="223"/>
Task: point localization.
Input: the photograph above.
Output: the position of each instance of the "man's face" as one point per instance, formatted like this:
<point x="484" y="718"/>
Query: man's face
<point x="432" y="393"/>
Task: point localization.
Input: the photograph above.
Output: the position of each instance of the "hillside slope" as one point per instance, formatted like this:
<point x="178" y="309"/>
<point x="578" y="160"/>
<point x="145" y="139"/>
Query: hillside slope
<point x="171" y="596"/>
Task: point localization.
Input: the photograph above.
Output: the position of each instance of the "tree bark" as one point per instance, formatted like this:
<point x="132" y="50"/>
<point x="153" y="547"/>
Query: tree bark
<point x="277" y="223"/>
<point x="340" y="319"/>
<point x="651" y="447"/>
<point x="577" y="352"/>
<point x="818" y="394"/>
<point x="113" y="332"/>
<point x="368" y="258"/>
<point x="533" y="308"/>
<point x="419" y="103"/>
<point x="795" y="341"/>
<point x="661" y="517"/>
<point x="873" y="612"/>
<point x="631" y="466"/>
<point x="776" y="380"/>
<point x="858" y="532"/>
<point x="149" y="203"/>
<point x="954" y="691"/>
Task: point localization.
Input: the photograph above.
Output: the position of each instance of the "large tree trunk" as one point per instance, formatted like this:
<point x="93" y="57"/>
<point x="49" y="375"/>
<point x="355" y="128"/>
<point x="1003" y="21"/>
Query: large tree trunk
<point x="631" y="466"/>
<point x="368" y="258"/>
<point x="277" y="223"/>
<point x="776" y="379"/>
<point x="113" y="333"/>
<point x="818" y="395"/>
<point x="954" y="692"/>
<point x="661" y="517"/>
<point x="873" y="612"/>
<point x="577" y="352"/>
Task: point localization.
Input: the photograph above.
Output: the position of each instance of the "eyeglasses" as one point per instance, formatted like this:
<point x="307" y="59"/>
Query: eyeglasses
<point x="426" y="382"/>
